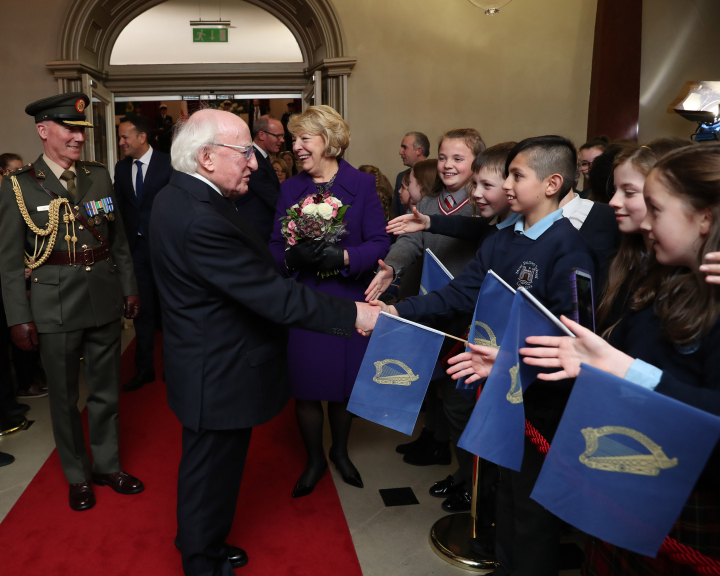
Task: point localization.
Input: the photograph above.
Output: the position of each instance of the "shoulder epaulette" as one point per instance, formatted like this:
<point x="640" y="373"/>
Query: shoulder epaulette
<point x="19" y="170"/>
<point x="90" y="163"/>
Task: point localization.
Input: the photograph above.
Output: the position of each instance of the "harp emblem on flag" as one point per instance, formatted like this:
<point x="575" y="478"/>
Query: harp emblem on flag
<point x="603" y="453"/>
<point x="491" y="339"/>
<point x="514" y="396"/>
<point x="394" y="372"/>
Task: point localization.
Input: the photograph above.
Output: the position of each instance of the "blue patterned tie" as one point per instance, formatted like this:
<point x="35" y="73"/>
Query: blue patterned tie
<point x="139" y="182"/>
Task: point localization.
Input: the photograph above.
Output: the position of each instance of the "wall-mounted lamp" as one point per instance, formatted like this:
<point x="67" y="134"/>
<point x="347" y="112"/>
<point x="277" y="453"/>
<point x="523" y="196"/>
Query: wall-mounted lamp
<point x="702" y="105"/>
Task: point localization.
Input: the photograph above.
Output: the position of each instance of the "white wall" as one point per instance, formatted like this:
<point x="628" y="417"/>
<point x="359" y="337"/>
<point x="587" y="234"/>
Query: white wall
<point x="163" y="35"/>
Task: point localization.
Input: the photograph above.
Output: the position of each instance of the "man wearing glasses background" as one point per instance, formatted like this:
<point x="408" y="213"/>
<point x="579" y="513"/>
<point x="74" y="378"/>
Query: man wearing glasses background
<point x="258" y="205"/>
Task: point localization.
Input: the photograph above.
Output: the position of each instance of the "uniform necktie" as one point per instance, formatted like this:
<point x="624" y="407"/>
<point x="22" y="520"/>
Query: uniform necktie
<point x="139" y="182"/>
<point x="449" y="202"/>
<point x="69" y="177"/>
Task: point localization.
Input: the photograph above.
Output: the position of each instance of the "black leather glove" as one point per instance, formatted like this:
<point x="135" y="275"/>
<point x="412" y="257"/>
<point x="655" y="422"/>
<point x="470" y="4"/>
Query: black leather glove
<point x="305" y="255"/>
<point x="332" y="258"/>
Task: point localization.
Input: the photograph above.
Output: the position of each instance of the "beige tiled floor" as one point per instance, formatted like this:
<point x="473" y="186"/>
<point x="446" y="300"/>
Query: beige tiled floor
<point x="389" y="541"/>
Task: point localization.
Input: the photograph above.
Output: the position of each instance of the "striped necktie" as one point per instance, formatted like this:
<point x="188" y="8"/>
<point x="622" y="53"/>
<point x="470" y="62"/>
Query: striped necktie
<point x="449" y="202"/>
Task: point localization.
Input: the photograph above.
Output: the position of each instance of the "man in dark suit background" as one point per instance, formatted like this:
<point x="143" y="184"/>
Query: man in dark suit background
<point x="414" y="147"/>
<point x="258" y="205"/>
<point x="256" y="110"/>
<point x="226" y="309"/>
<point x="138" y="178"/>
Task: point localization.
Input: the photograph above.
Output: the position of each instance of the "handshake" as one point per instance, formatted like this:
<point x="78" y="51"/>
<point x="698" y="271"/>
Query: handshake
<point x="367" y="315"/>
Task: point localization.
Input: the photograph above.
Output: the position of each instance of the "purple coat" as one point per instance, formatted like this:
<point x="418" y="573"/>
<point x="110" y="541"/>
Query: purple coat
<point x="324" y="367"/>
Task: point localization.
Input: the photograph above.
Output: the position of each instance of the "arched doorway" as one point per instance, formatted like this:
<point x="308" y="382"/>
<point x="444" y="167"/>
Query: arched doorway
<point x="92" y="27"/>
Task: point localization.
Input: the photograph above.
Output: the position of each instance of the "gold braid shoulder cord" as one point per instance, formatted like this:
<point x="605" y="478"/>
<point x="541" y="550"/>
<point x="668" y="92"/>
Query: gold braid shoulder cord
<point x="53" y="225"/>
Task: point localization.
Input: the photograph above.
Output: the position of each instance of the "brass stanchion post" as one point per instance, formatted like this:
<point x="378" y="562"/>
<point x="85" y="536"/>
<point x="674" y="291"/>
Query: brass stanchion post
<point x="450" y="536"/>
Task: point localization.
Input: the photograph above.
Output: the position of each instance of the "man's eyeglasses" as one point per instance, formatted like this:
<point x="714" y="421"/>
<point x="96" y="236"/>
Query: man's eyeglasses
<point x="586" y="164"/>
<point x="278" y="136"/>
<point x="247" y="150"/>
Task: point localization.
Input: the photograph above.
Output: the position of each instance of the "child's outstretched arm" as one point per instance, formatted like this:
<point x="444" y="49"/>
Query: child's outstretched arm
<point x="568" y="353"/>
<point x="473" y="364"/>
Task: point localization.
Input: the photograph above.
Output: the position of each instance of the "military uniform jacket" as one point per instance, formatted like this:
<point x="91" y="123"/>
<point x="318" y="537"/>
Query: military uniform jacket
<point x="62" y="298"/>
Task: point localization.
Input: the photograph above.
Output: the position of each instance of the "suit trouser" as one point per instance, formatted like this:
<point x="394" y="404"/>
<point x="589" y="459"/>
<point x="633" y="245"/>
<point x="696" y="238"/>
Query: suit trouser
<point x="527" y="535"/>
<point x="209" y="479"/>
<point x="100" y="350"/>
<point x="145" y="322"/>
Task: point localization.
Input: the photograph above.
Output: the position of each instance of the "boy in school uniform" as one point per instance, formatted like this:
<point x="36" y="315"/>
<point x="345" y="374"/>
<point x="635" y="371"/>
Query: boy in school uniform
<point x="538" y="253"/>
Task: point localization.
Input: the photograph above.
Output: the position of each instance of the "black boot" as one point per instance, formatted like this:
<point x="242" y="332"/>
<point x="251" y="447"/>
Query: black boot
<point x="419" y="442"/>
<point x="433" y="452"/>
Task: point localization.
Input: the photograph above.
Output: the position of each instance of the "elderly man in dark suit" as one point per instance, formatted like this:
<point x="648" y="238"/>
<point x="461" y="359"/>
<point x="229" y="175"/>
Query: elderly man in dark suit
<point x="226" y="310"/>
<point x="138" y="178"/>
<point x="258" y="205"/>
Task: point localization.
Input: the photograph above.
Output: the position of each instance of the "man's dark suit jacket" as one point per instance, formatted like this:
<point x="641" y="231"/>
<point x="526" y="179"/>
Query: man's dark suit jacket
<point x="158" y="175"/>
<point x="258" y="205"/>
<point x="226" y="309"/>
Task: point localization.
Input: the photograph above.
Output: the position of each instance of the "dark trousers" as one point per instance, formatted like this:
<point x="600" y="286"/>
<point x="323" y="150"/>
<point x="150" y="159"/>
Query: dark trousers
<point x="527" y="535"/>
<point x="26" y="366"/>
<point x="7" y="394"/>
<point x="100" y="349"/>
<point x="145" y="322"/>
<point x="458" y="410"/>
<point x="209" y="479"/>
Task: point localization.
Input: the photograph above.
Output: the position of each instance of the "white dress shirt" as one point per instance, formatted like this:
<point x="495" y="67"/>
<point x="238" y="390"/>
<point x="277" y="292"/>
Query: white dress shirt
<point x="577" y="211"/>
<point x="199" y="177"/>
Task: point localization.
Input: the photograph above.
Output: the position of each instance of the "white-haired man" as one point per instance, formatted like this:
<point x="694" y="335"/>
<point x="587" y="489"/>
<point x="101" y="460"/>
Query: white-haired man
<point x="225" y="310"/>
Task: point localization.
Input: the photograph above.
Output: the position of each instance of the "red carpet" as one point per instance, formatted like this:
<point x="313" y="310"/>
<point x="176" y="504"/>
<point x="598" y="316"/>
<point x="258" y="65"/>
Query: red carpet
<point x="133" y="535"/>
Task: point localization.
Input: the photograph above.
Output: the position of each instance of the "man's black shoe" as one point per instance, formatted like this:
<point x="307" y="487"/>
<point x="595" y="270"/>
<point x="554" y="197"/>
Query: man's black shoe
<point x="460" y="501"/>
<point x="419" y="442"/>
<point x="433" y="452"/>
<point x="237" y="556"/>
<point x="6" y="459"/>
<point x="445" y="488"/>
<point x="138" y="381"/>
<point x="16" y="409"/>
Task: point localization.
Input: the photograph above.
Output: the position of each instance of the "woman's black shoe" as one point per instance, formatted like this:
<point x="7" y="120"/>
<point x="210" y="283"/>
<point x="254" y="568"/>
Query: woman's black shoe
<point x="353" y="479"/>
<point x="301" y="490"/>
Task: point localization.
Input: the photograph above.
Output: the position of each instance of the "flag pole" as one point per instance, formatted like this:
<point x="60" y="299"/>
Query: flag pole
<point x="450" y="536"/>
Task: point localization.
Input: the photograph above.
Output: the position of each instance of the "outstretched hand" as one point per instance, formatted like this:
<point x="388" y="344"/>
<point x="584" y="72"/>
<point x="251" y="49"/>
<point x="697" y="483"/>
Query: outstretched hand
<point x="380" y="283"/>
<point x="712" y="268"/>
<point x="408" y="223"/>
<point x="474" y="364"/>
<point x="568" y="353"/>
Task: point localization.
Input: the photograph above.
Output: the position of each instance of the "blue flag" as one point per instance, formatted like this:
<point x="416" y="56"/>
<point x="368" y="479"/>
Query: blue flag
<point x="434" y="274"/>
<point x="492" y="313"/>
<point x="496" y="430"/>
<point x="395" y="373"/>
<point x="624" y="461"/>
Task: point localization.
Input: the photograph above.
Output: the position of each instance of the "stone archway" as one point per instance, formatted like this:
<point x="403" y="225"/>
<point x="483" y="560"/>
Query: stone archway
<point x="92" y="26"/>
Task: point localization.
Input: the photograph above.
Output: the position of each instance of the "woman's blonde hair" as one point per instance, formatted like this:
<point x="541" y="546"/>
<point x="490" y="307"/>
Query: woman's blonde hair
<point x="326" y="122"/>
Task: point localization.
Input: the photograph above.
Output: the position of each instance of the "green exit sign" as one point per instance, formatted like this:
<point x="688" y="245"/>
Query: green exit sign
<point x="210" y="35"/>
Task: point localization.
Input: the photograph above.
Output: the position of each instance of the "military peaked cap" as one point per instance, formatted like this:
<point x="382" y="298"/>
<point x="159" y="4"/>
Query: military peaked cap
<point x="66" y="108"/>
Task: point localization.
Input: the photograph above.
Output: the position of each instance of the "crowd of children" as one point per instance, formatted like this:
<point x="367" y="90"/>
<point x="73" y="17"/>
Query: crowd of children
<point x="654" y="254"/>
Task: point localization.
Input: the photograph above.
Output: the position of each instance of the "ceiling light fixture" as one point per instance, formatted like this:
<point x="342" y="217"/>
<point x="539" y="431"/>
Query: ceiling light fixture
<point x="490" y="6"/>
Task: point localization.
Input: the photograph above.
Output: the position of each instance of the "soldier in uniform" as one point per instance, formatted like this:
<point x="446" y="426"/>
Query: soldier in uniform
<point x="57" y="218"/>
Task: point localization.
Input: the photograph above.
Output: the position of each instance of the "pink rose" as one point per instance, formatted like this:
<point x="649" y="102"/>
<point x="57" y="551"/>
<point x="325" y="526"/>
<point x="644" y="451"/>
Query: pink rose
<point x="329" y="201"/>
<point x="334" y="212"/>
<point x="291" y="225"/>
<point x="308" y="200"/>
<point x="292" y="241"/>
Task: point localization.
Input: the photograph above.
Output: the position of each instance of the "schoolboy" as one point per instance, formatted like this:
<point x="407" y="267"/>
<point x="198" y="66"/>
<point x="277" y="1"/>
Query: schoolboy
<point x="488" y="197"/>
<point x="537" y="253"/>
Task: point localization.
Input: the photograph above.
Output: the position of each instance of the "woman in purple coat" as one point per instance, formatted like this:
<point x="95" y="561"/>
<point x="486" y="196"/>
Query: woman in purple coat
<point x="325" y="367"/>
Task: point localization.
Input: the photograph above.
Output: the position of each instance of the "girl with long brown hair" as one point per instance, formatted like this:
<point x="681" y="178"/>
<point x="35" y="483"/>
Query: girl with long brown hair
<point x="669" y="341"/>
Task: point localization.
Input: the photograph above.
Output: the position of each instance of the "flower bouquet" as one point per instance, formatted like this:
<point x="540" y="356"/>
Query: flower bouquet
<point x="319" y="218"/>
